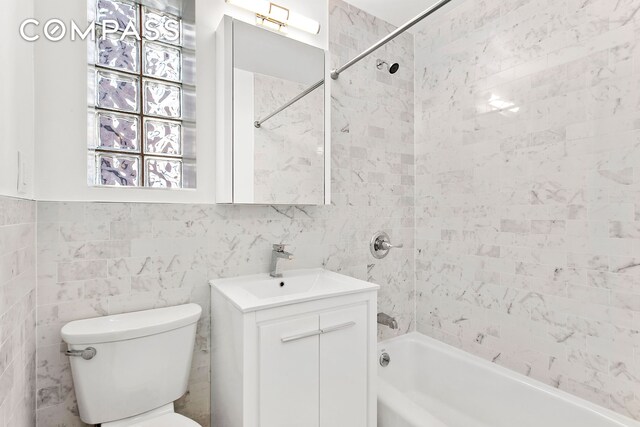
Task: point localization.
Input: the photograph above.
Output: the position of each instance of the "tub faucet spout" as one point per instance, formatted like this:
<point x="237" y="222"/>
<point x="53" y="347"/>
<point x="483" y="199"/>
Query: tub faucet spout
<point x="385" y="319"/>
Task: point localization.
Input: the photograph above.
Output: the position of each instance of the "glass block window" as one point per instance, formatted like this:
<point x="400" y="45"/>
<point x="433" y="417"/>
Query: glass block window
<point x="138" y="127"/>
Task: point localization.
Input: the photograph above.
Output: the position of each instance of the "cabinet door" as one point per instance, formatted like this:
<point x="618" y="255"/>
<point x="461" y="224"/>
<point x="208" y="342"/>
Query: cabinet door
<point x="289" y="383"/>
<point x="344" y="367"/>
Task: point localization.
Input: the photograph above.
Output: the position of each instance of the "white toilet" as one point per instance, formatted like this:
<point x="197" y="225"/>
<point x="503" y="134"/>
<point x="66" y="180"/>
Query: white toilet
<point x="128" y="369"/>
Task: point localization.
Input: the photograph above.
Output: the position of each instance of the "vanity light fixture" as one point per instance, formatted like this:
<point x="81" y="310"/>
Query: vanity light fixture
<point x="276" y="17"/>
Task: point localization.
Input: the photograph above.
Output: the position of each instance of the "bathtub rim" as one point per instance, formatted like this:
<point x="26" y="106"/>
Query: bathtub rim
<point x="456" y="353"/>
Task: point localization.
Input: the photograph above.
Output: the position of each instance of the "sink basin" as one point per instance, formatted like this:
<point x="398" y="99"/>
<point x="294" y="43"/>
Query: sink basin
<point x="260" y="291"/>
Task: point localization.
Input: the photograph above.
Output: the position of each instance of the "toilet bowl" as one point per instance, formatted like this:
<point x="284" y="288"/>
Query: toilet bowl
<point x="128" y="369"/>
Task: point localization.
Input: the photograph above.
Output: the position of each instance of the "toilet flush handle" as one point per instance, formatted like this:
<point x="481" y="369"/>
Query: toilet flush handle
<point x="87" y="354"/>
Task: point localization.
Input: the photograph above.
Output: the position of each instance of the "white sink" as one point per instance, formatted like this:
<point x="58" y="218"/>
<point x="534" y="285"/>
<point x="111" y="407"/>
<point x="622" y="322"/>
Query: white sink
<point x="260" y="291"/>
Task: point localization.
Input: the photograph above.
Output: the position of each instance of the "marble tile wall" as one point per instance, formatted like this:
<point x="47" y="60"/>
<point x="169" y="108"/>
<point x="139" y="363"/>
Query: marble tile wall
<point x="527" y="185"/>
<point x="372" y="156"/>
<point x="288" y="150"/>
<point x="17" y="312"/>
<point x="96" y="259"/>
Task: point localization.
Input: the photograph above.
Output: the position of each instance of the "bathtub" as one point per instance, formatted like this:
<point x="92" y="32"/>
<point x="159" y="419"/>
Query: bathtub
<point x="431" y="384"/>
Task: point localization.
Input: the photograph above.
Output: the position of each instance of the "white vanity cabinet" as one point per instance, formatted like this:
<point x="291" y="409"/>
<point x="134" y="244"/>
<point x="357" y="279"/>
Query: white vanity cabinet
<point x="294" y="360"/>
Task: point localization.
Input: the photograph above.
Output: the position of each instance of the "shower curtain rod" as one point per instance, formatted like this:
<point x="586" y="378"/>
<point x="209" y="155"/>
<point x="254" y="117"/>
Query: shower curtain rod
<point x="336" y="73"/>
<point x="306" y="92"/>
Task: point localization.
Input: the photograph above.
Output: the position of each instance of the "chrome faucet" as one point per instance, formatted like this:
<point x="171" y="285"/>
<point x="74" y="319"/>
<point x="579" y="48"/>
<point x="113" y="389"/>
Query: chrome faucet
<point x="385" y="319"/>
<point x="277" y="253"/>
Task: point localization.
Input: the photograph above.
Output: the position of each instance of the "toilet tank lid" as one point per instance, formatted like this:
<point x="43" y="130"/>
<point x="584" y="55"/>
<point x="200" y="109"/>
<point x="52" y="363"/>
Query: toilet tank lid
<point x="127" y="326"/>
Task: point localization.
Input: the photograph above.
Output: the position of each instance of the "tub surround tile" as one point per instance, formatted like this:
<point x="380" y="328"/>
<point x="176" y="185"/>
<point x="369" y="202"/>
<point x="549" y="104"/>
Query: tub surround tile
<point x="372" y="148"/>
<point x="526" y="172"/>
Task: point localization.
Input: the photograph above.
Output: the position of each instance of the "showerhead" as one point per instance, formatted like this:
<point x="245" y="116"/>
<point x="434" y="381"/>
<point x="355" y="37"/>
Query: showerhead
<point x="393" y="68"/>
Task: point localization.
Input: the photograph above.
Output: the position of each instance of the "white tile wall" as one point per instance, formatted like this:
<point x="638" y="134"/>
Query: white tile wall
<point x="527" y="153"/>
<point x="17" y="312"/>
<point x="372" y="155"/>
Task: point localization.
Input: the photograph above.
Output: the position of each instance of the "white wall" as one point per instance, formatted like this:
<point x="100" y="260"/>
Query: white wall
<point x="61" y="117"/>
<point x="16" y="100"/>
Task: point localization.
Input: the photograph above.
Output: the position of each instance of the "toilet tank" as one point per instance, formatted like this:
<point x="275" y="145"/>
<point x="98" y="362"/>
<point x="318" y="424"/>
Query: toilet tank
<point x="142" y="361"/>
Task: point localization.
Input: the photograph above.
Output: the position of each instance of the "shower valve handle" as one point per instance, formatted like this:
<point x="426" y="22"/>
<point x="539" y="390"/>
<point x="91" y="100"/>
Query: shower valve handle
<point x="380" y="245"/>
<point x="385" y="246"/>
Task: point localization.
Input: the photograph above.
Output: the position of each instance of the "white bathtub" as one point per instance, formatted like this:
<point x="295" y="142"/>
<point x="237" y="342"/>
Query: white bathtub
<point x="430" y="384"/>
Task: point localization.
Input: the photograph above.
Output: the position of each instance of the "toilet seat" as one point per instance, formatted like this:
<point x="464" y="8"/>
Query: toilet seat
<point x="168" y="420"/>
<point x="159" y="417"/>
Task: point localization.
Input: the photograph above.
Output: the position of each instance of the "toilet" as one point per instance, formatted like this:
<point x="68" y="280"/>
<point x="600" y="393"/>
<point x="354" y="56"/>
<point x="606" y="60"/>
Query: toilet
<point x="128" y="369"/>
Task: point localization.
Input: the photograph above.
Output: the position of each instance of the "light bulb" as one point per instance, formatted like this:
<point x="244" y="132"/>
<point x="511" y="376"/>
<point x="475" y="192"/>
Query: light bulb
<point x="303" y="23"/>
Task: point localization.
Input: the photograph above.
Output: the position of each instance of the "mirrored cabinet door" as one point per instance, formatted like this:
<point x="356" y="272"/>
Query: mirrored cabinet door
<point x="271" y="141"/>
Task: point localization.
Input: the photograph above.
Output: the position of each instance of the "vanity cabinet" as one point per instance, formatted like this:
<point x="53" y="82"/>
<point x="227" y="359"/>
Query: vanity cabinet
<point x="307" y="364"/>
<point x="313" y="369"/>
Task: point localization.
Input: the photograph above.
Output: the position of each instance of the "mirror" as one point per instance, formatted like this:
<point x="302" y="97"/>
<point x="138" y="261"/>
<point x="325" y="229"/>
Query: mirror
<point x="277" y="137"/>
